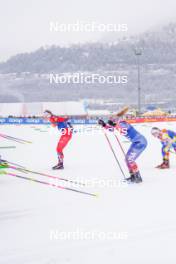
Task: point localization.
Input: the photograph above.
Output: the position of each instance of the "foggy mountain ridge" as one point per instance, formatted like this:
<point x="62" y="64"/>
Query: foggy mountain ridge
<point x="158" y="70"/>
<point x="158" y="47"/>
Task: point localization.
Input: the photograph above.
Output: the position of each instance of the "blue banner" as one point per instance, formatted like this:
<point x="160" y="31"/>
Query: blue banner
<point x="41" y="121"/>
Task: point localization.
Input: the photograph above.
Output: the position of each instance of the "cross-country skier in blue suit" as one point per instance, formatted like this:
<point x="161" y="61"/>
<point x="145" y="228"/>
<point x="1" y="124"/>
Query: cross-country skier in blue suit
<point x="139" y="143"/>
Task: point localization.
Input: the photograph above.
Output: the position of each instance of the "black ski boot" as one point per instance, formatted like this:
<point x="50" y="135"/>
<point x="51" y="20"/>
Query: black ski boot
<point x="131" y="179"/>
<point x="135" y="178"/>
<point x="59" y="166"/>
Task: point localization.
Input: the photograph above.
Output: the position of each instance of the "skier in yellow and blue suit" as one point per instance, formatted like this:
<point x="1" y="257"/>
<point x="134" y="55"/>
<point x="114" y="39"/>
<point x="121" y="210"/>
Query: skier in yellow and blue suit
<point x="168" y="141"/>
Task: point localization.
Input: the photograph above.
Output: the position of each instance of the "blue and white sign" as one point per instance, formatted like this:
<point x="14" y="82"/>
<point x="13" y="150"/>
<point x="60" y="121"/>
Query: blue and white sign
<point x="40" y="121"/>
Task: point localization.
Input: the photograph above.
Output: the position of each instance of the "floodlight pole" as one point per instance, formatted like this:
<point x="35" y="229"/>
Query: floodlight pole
<point x="138" y="53"/>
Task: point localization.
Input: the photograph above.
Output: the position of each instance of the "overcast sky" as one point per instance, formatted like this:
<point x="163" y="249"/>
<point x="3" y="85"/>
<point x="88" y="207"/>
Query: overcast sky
<point x="25" y="24"/>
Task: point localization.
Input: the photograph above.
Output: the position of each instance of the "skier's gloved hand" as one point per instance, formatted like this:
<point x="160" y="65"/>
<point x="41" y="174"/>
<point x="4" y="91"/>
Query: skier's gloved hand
<point x="101" y="123"/>
<point x="111" y="123"/>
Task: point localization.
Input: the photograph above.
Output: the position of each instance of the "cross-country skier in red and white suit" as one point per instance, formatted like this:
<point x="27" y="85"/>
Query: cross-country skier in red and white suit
<point x="66" y="134"/>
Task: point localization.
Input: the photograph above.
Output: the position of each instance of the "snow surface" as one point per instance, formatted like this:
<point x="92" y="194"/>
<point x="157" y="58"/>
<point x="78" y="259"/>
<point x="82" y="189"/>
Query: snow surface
<point x="142" y="216"/>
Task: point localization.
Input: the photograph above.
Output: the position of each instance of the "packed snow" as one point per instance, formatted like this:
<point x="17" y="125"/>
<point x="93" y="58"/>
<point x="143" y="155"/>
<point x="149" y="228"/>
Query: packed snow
<point x="124" y="224"/>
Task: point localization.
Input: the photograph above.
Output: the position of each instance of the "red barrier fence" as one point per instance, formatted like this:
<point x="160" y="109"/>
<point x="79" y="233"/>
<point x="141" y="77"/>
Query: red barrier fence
<point x="152" y="119"/>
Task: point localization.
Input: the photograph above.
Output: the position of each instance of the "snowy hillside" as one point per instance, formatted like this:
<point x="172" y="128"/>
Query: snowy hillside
<point x="23" y="77"/>
<point x="44" y="225"/>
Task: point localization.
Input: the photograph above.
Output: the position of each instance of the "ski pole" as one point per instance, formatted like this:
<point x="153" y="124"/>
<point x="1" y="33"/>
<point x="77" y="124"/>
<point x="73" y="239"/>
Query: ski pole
<point x="49" y="184"/>
<point x="117" y="161"/>
<point x="120" y="145"/>
<point x="45" y="175"/>
<point x="8" y="147"/>
<point x="122" y="150"/>
<point x="14" y="138"/>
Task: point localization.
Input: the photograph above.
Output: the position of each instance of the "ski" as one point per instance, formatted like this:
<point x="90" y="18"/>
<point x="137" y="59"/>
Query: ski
<point x="47" y="183"/>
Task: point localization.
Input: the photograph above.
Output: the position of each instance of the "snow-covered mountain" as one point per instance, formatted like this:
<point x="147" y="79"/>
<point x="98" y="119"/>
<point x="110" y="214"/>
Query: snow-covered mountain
<point x="22" y="76"/>
<point x="159" y="47"/>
